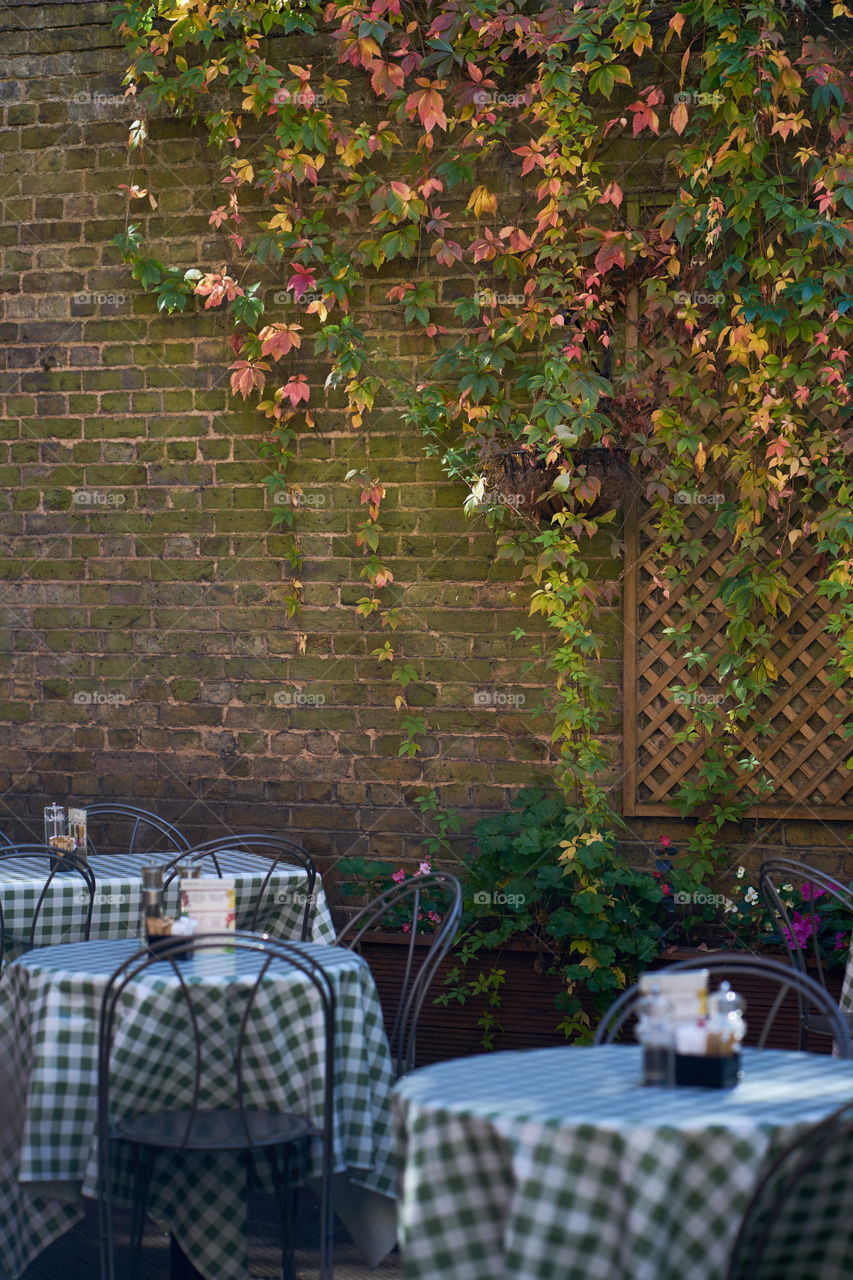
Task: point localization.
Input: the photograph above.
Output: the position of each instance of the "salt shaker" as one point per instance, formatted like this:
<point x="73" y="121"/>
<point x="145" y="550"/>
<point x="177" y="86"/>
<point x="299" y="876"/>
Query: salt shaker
<point x="656" y="1034"/>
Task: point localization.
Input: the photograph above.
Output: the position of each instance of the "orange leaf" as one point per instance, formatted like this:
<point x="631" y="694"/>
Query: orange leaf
<point x="277" y="339"/>
<point x="678" y="118"/>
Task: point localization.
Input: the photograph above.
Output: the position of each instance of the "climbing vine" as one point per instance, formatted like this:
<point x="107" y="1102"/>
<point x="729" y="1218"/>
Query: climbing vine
<point x="652" y="208"/>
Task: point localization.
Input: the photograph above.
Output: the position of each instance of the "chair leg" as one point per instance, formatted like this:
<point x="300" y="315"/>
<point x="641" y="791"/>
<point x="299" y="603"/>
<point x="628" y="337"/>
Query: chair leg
<point x="285" y="1200"/>
<point x="143" y="1162"/>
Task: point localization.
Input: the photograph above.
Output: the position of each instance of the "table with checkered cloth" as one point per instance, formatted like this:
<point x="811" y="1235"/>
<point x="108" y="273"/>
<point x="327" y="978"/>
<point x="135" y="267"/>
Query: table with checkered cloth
<point x="557" y="1164"/>
<point x="118" y="901"/>
<point x="49" y="1014"/>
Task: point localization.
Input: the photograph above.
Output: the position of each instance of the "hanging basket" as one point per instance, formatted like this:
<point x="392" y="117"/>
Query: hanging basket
<point x="525" y="480"/>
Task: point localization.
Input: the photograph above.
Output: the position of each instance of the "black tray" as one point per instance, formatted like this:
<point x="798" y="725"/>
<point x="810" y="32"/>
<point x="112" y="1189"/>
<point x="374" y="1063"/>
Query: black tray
<point x="707" y="1073"/>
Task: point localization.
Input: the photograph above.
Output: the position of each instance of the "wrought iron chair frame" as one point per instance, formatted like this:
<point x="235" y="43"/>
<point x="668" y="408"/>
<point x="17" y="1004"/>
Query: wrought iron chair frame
<point x="801" y="1154"/>
<point x="776" y="870"/>
<point x="415" y="986"/>
<point x="109" y="810"/>
<point x="68" y="862"/>
<point x="285" y="851"/>
<point x="285" y="954"/>
<point x="724" y="963"/>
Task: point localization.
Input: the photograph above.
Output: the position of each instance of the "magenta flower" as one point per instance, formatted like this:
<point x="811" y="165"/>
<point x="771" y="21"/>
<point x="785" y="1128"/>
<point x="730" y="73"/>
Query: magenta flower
<point x="840" y="941"/>
<point x="812" y="892"/>
<point x="665" y="842"/>
<point x="407" y="928"/>
<point x="802" y="929"/>
<point x="436" y="918"/>
<point x="399" y="876"/>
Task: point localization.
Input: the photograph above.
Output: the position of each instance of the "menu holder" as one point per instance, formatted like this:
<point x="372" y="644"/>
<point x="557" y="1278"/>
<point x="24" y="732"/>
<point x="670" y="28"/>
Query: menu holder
<point x="210" y="902"/>
<point x="705" y="1072"/>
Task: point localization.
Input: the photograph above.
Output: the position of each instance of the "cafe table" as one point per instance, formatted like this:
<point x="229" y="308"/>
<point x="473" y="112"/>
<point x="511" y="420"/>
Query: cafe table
<point x="557" y="1164"/>
<point x="118" y="899"/>
<point x="49" y="1014"/>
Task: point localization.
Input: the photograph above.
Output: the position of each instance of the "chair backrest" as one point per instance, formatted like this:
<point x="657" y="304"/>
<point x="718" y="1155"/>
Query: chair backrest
<point x="421" y="965"/>
<point x="270" y="847"/>
<point x="731" y="965"/>
<point x="124" y="828"/>
<point x="778" y="871"/>
<point x="44" y="859"/>
<point x="275" y="959"/>
<point x="796" y="1223"/>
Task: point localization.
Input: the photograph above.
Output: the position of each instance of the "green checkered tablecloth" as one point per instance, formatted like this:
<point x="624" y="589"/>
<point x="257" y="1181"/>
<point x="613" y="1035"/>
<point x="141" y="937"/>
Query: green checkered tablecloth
<point x="556" y="1164"/>
<point x="49" y="1011"/>
<point x="118" y="901"/>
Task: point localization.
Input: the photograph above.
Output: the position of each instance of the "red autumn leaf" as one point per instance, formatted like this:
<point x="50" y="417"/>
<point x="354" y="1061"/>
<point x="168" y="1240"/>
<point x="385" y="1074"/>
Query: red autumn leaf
<point x="430" y="107"/>
<point x="302" y="280"/>
<point x="612" y="252"/>
<point x="247" y="377"/>
<point x="612" y="194"/>
<point x="386" y="77"/>
<point x="296" y="390"/>
<point x="278" y="339"/>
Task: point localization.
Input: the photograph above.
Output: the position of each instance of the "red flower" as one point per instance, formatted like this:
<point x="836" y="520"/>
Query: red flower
<point x="666" y="889"/>
<point x="665" y="842"/>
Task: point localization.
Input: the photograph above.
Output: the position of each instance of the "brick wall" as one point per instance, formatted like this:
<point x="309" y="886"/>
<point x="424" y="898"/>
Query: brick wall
<point x="147" y="653"/>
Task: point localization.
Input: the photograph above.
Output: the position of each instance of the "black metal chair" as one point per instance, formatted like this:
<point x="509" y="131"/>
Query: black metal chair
<point x="772" y="874"/>
<point x="140" y="831"/>
<point x="194" y="1127"/>
<point x="273" y="848"/>
<point x="796" y="1223"/>
<point x="729" y="965"/>
<point x="23" y="855"/>
<point x="420" y="969"/>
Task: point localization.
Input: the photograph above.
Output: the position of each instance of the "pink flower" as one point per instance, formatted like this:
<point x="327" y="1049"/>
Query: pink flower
<point x="436" y="919"/>
<point x="399" y="876"/>
<point x="424" y="869"/>
<point x="840" y="941"/>
<point x="802" y="929"/>
<point x="665" y="842"/>
<point x="407" y="928"/>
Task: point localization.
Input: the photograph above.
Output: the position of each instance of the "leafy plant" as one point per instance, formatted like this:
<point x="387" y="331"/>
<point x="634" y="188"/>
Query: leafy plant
<point x="367" y="879"/>
<point x="705" y="334"/>
<point x="542" y="874"/>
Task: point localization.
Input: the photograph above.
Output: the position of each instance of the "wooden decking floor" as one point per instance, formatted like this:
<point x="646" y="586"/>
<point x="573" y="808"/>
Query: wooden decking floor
<point x="75" y="1255"/>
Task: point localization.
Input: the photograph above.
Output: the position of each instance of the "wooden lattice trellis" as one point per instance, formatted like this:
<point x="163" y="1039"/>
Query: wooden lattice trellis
<point x="804" y="754"/>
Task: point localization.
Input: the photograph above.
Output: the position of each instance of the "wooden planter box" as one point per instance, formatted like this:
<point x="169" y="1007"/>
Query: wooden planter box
<point x="527" y="1013"/>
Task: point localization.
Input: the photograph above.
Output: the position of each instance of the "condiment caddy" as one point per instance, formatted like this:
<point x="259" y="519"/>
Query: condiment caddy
<point x="690" y="1037"/>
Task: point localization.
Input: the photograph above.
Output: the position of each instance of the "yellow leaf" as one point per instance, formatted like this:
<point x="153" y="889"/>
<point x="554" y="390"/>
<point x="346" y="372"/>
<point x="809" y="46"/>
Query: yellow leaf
<point x="482" y="201"/>
<point x="590" y="963"/>
<point x="701" y="458"/>
<point x="678" y="117"/>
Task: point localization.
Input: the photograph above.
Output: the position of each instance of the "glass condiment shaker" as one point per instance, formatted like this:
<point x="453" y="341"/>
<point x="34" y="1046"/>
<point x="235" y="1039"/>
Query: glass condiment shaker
<point x="726" y="1027"/>
<point x="656" y="1034"/>
<point x="54" y="822"/>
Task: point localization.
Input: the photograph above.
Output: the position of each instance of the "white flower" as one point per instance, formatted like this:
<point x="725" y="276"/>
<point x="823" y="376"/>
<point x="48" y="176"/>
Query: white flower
<point x="741" y="872"/>
<point x="750" y="896"/>
<point x="787" y="888"/>
<point x="730" y="907"/>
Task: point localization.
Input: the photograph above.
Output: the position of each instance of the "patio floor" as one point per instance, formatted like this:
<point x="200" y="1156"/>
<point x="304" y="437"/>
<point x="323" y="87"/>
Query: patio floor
<point x="75" y="1255"/>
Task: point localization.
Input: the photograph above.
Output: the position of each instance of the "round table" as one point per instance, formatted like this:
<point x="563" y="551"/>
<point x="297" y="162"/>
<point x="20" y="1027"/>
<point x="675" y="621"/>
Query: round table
<point x="557" y="1164"/>
<point x="49" y="1017"/>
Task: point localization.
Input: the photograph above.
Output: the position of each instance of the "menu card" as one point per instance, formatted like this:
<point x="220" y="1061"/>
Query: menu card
<point x="210" y="901"/>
